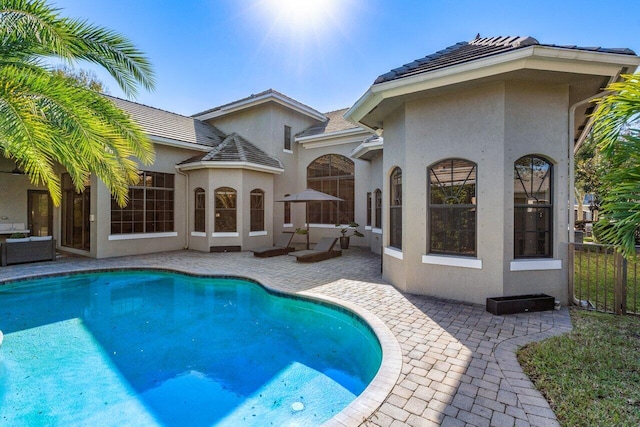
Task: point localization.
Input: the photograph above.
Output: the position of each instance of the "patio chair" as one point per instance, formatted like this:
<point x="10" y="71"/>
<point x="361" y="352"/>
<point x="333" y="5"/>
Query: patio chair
<point x="281" y="247"/>
<point x="323" y="250"/>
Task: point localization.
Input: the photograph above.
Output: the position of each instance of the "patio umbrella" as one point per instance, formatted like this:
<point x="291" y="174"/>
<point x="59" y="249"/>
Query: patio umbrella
<point x="307" y="196"/>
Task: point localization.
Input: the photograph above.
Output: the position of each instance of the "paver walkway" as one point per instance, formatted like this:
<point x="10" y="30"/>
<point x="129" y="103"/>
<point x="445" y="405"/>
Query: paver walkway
<point x="459" y="366"/>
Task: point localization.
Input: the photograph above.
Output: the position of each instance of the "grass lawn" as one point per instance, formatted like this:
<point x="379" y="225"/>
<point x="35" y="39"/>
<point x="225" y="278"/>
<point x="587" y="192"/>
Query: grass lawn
<point x="591" y="376"/>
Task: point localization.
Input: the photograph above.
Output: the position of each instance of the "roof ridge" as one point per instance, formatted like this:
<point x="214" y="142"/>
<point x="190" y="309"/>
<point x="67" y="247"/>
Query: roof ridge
<point x="152" y="107"/>
<point x="512" y="41"/>
<point x="239" y="145"/>
<point x="335" y="111"/>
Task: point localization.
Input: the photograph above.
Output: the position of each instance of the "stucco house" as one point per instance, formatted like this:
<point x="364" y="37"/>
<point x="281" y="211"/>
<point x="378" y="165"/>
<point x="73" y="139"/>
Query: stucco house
<point x="456" y="165"/>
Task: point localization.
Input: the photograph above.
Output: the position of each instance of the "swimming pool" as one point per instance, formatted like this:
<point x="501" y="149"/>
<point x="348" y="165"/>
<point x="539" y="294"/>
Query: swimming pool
<point x="164" y="348"/>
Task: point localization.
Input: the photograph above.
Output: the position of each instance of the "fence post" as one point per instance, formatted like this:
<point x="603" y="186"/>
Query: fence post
<point x="620" y="288"/>
<point x="572" y="272"/>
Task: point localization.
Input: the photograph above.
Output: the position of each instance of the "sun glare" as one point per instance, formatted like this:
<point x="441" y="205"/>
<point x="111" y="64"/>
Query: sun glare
<point x="303" y="16"/>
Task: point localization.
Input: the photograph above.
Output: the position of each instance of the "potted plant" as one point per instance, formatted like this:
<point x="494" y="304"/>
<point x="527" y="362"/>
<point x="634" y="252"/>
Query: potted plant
<point x="345" y="229"/>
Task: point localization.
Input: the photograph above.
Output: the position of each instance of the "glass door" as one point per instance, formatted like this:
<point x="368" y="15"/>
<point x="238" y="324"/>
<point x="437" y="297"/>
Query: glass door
<point x="76" y="228"/>
<point x="40" y="213"/>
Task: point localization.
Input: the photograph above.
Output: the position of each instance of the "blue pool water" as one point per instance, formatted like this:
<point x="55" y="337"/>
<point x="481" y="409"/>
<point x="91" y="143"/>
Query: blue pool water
<point x="158" y="348"/>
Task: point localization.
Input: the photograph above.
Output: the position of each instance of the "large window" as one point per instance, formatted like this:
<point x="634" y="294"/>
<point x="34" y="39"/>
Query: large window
<point x="225" y="210"/>
<point x="287" y="137"/>
<point x="150" y="206"/>
<point x="257" y="210"/>
<point x="532" y="206"/>
<point x="199" y="210"/>
<point x="395" y="209"/>
<point x="332" y="174"/>
<point x="377" y="196"/>
<point x="452" y="207"/>
<point x="369" y="209"/>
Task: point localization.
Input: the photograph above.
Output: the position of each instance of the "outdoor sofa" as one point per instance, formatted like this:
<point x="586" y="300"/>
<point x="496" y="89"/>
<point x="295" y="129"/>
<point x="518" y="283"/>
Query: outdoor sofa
<point x="323" y="250"/>
<point x="30" y="250"/>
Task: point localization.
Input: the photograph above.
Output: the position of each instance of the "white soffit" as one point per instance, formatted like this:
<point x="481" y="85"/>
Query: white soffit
<point x="229" y="165"/>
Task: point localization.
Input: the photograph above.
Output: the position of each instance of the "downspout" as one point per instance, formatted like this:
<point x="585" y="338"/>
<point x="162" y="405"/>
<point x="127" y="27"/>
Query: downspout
<point x="186" y="208"/>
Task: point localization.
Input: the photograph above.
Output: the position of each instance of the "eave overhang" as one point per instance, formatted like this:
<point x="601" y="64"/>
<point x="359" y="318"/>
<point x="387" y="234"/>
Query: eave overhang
<point x="262" y="99"/>
<point x="347" y="136"/>
<point x="179" y="144"/>
<point x="228" y="165"/>
<point x="368" y="150"/>
<point x="543" y="58"/>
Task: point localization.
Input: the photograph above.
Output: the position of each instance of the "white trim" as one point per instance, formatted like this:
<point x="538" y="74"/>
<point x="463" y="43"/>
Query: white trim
<point x="198" y="234"/>
<point x="142" y="235"/>
<point x="535" y="264"/>
<point x="367" y="227"/>
<point x="266" y="97"/>
<point x="284" y="150"/>
<point x="225" y="234"/>
<point x="376" y="230"/>
<point x="257" y="233"/>
<point x="367" y="147"/>
<point x="452" y="261"/>
<point x="180" y="144"/>
<point x="393" y="252"/>
<point x="287" y="225"/>
<point x="204" y="164"/>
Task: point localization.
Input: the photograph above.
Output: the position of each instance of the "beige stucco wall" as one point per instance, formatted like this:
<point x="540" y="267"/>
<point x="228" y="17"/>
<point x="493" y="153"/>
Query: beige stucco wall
<point x="491" y="125"/>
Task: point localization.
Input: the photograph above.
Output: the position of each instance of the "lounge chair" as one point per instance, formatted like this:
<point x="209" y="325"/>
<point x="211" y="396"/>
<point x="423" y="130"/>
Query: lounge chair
<point x="323" y="250"/>
<point x="281" y="247"/>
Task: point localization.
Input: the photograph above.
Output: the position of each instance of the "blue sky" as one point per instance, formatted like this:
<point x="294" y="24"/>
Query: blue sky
<point x="209" y="52"/>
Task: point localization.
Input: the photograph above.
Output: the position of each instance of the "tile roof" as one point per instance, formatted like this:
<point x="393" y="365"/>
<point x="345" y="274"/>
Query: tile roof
<point x="335" y="122"/>
<point x="235" y="148"/>
<point x="475" y="49"/>
<point x="255" y="95"/>
<point x="164" y="124"/>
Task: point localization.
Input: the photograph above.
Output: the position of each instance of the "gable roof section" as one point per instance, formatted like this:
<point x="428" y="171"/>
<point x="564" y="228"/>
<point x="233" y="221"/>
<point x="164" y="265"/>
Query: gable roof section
<point x="475" y="49"/>
<point x="335" y="123"/>
<point x="235" y="151"/>
<point x="164" y="126"/>
<point x="268" y="95"/>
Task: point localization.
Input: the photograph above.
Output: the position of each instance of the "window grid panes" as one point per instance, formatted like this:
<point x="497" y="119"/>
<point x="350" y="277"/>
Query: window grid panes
<point x="199" y="210"/>
<point x="378" y="203"/>
<point x="225" y="210"/>
<point x="150" y="206"/>
<point x="369" y="209"/>
<point x="395" y="209"/>
<point x="287" y="211"/>
<point x="257" y="210"/>
<point x="533" y="208"/>
<point x="452" y="207"/>
<point x="332" y="174"/>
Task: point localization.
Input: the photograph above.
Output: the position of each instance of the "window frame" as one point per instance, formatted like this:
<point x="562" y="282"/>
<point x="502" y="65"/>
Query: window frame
<point x="529" y="207"/>
<point x="256" y="210"/>
<point x="220" y="213"/>
<point x="199" y="210"/>
<point x="377" y="194"/>
<point x="450" y="240"/>
<point x="395" y="208"/>
<point x="287" y="211"/>
<point x="150" y="207"/>
<point x="326" y="177"/>
<point x="369" y="209"/>
<point x="287" y="137"/>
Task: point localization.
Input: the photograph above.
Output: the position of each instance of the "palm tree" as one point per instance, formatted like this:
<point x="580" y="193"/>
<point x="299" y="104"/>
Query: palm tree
<point x="48" y="118"/>
<point x="616" y="128"/>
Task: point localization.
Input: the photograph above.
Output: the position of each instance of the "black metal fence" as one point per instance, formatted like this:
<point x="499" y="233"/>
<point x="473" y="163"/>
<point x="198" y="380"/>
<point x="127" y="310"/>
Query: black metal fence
<point x="601" y="279"/>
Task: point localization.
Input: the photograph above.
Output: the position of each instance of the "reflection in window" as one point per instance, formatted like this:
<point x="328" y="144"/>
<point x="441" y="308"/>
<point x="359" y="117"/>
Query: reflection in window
<point x="149" y="208"/>
<point x="378" y="203"/>
<point x="225" y="210"/>
<point x="257" y="210"/>
<point x="199" y="210"/>
<point x="532" y="206"/>
<point x="332" y="174"/>
<point x="395" y="209"/>
<point x="452" y="207"/>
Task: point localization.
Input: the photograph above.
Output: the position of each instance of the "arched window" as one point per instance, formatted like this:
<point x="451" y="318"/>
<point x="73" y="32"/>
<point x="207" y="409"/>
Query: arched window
<point x="452" y="207"/>
<point x="225" y="210"/>
<point x="332" y="174"/>
<point x="199" y="210"/>
<point x="377" y="196"/>
<point x="257" y="210"/>
<point x="395" y="209"/>
<point x="532" y="207"/>
<point x="287" y="211"/>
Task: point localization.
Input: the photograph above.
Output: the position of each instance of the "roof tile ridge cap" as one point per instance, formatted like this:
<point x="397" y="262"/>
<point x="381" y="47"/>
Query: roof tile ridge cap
<point x="239" y="143"/>
<point x="514" y="41"/>
<point x="149" y="106"/>
<point x="218" y="148"/>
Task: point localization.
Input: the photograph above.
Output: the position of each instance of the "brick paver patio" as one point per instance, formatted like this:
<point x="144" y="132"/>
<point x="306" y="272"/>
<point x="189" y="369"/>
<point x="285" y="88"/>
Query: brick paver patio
<point x="458" y="361"/>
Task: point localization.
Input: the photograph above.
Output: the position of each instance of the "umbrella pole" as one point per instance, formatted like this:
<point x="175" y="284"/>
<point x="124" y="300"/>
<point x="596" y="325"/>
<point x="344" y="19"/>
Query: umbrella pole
<point x="307" y="214"/>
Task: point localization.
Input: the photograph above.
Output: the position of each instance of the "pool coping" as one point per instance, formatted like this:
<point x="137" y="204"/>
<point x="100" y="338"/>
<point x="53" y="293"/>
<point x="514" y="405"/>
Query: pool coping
<point x="364" y="405"/>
